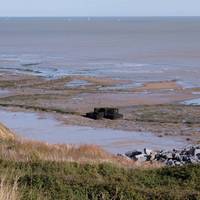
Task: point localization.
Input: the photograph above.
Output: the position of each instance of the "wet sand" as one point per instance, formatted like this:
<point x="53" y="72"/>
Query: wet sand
<point x="46" y="128"/>
<point x="68" y="98"/>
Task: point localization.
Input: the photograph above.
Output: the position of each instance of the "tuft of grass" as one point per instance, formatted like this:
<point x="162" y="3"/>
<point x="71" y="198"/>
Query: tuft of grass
<point x="8" y="191"/>
<point x="5" y="133"/>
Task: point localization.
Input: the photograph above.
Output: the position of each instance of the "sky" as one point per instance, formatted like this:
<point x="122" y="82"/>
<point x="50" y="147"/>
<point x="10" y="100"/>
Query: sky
<point x="99" y="7"/>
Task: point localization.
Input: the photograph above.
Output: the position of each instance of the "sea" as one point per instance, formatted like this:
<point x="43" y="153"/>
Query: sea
<point x="140" y="49"/>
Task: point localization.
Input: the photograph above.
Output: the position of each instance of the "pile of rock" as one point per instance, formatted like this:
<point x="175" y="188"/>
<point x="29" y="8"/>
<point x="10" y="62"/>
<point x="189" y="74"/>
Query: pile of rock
<point x="188" y="155"/>
<point x="108" y="113"/>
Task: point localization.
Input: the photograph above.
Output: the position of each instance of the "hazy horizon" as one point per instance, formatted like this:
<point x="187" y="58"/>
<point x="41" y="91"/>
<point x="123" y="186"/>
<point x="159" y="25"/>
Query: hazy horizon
<point x="96" y="8"/>
<point x="93" y="16"/>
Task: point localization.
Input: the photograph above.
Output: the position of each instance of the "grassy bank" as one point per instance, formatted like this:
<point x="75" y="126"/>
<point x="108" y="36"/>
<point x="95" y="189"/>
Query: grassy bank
<point x="63" y="180"/>
<point x="38" y="171"/>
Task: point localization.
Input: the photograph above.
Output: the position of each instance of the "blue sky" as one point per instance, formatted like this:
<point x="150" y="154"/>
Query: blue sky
<point x="99" y="7"/>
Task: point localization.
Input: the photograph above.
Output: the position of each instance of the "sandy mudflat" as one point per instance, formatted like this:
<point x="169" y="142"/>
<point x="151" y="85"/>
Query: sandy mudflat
<point x="161" y="85"/>
<point x="151" y="107"/>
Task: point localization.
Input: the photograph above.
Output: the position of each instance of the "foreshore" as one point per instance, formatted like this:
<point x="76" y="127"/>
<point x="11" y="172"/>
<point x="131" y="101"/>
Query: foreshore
<point x="153" y="107"/>
<point x="57" y="152"/>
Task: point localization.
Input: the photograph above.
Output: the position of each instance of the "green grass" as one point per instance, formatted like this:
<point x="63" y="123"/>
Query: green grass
<point x="39" y="108"/>
<point x="55" y="180"/>
<point x="174" y="114"/>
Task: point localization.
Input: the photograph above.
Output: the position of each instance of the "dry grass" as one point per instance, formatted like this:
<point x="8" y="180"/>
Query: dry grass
<point x="26" y="150"/>
<point x="19" y="149"/>
<point x="5" y="133"/>
<point x="8" y="191"/>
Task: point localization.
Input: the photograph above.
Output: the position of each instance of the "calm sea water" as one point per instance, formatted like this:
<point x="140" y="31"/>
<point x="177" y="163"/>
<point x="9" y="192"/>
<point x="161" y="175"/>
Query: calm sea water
<point x="140" y="49"/>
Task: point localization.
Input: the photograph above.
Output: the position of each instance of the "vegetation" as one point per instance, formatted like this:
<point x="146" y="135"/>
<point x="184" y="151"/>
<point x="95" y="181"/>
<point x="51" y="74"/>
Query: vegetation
<point x="33" y="170"/>
<point x="64" y="180"/>
<point x="173" y="114"/>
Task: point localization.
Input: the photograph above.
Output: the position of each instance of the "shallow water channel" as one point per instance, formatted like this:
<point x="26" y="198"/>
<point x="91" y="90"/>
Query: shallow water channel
<point x="44" y="127"/>
<point x="192" y="102"/>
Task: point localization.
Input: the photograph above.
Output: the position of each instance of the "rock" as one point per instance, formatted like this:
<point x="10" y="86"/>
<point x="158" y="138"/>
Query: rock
<point x="193" y="161"/>
<point x="159" y="158"/>
<point x="188" y="155"/>
<point x="133" y="154"/>
<point x="186" y="159"/>
<point x="123" y="156"/>
<point x="153" y="156"/>
<point x="166" y="155"/>
<point x="141" y="157"/>
<point x="196" y="151"/>
<point x="190" y="151"/>
<point x="170" y="162"/>
<point x="148" y="151"/>
<point x="177" y="157"/>
<point x="150" y="154"/>
<point x="169" y="155"/>
<point x="177" y="163"/>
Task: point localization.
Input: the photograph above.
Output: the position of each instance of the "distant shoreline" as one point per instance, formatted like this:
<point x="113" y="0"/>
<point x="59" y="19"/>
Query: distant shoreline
<point x="100" y="17"/>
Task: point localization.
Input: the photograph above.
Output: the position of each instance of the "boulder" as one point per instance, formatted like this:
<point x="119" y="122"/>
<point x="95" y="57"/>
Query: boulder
<point x="123" y="156"/>
<point x="133" y="154"/>
<point x="197" y="153"/>
<point x="141" y="157"/>
<point x="178" y="163"/>
<point x="148" y="151"/>
<point x="188" y="155"/>
<point x="190" y="151"/>
<point x="170" y="162"/>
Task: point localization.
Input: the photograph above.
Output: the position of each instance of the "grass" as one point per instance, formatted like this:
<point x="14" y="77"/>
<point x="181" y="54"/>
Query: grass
<point x="8" y="191"/>
<point x="39" y="108"/>
<point x="64" y="180"/>
<point x="49" y="172"/>
<point x="173" y="114"/>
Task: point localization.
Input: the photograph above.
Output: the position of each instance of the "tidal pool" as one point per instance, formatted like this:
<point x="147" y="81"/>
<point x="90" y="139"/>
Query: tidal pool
<point x="192" y="102"/>
<point x="77" y="83"/>
<point x="43" y="127"/>
<point x="4" y="92"/>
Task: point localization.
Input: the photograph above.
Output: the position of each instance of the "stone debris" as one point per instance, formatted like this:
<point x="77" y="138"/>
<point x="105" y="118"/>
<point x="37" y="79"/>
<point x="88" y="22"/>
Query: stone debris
<point x="133" y="154"/>
<point x="188" y="155"/>
<point x="108" y="113"/>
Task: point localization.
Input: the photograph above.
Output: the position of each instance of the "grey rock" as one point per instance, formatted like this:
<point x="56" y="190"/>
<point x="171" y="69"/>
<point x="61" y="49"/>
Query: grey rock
<point x="197" y="153"/>
<point x="141" y="157"/>
<point x="148" y="151"/>
<point x="123" y="156"/>
<point x="188" y="155"/>
<point x="177" y="163"/>
<point x="133" y="154"/>
<point x="193" y="160"/>
<point x="170" y="162"/>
